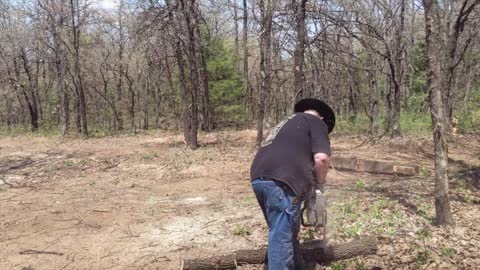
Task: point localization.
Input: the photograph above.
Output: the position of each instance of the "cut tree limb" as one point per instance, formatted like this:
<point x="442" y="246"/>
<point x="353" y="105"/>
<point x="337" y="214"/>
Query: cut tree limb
<point x="312" y="251"/>
<point x="373" y="166"/>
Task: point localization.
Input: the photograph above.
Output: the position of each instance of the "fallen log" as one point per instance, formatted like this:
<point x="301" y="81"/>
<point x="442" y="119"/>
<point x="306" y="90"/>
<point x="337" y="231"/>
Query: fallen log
<point x="312" y="251"/>
<point x="373" y="166"/>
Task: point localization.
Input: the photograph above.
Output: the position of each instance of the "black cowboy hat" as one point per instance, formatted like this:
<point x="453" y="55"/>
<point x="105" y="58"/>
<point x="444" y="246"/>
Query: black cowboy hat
<point x="321" y="107"/>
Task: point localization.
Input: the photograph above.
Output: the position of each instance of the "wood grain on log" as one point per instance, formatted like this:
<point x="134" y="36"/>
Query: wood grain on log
<point x="218" y="262"/>
<point x="312" y="251"/>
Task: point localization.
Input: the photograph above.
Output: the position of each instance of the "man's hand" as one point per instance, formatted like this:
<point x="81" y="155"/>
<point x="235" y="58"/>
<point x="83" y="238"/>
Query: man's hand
<point x="322" y="162"/>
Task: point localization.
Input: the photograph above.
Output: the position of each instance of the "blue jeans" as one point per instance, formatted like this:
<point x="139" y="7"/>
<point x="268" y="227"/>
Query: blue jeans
<point x="281" y="209"/>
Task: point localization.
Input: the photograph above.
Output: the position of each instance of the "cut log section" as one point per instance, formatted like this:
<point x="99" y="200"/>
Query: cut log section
<point x="312" y="251"/>
<point x="373" y="166"/>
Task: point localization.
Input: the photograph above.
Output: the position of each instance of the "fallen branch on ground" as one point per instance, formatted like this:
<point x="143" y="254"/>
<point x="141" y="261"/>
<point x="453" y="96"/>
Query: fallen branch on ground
<point x="312" y="251"/>
<point x="32" y="251"/>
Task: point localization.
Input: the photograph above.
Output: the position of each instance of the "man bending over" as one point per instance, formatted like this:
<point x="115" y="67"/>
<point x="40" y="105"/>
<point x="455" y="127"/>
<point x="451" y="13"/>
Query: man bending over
<point x="294" y="156"/>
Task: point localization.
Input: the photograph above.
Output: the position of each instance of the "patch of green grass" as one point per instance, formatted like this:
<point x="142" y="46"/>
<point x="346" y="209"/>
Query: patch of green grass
<point x="377" y="208"/>
<point x="461" y="183"/>
<point x="353" y="124"/>
<point x="465" y="192"/>
<point x="350" y="230"/>
<point x="241" y="230"/>
<point x="338" y="266"/>
<point x="350" y="264"/>
<point x="380" y="217"/>
<point x="469" y="120"/>
<point x="410" y="123"/>
<point x="359" y="265"/>
<point x="360" y="183"/>
<point x="68" y="163"/>
<point x="349" y="209"/>
<point x="154" y="131"/>
<point x="448" y="252"/>
<point x="85" y="162"/>
<point x="422" y="258"/>
<point x="424" y="211"/>
<point x="27" y="131"/>
<point x="423" y="255"/>
<point x="424" y="172"/>
<point x="309" y="234"/>
<point x="415" y="123"/>
<point x="149" y="155"/>
<point x="423" y="234"/>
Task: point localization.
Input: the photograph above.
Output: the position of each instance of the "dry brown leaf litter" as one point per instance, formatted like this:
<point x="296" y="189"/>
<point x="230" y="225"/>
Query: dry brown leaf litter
<point x="147" y="202"/>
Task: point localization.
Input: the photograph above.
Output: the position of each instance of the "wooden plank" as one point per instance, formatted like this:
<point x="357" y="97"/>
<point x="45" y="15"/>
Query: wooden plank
<point x="373" y="166"/>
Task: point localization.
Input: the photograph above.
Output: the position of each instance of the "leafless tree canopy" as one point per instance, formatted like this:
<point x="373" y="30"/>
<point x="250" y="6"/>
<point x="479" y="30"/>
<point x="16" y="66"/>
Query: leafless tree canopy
<point x="87" y="66"/>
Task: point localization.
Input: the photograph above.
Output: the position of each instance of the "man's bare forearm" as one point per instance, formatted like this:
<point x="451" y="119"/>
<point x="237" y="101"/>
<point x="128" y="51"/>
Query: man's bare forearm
<point x="322" y="163"/>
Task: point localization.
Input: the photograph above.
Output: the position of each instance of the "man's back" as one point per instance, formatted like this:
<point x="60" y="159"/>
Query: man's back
<point x="287" y="154"/>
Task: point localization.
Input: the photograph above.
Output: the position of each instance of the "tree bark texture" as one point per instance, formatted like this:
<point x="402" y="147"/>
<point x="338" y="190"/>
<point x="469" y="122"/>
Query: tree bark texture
<point x="77" y="76"/>
<point x="236" y="38"/>
<point x="298" y="54"/>
<point x="120" y="65"/>
<point x="183" y="92"/>
<point x="57" y="20"/>
<point x="204" y="100"/>
<point x="312" y="251"/>
<point x="374" y="97"/>
<point x="438" y="113"/>
<point x="397" y="71"/>
<point x="246" y="94"/>
<point x="188" y="14"/>
<point x="266" y="9"/>
<point x="28" y="89"/>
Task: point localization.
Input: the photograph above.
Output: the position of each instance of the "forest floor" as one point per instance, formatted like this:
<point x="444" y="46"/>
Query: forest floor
<point x="147" y="202"/>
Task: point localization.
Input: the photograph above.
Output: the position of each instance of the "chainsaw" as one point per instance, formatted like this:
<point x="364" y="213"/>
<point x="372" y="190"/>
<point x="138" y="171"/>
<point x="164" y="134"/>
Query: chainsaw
<point x="315" y="206"/>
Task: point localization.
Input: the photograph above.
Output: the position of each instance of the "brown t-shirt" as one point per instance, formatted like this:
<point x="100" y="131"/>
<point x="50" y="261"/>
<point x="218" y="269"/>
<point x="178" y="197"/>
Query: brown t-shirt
<point x="287" y="153"/>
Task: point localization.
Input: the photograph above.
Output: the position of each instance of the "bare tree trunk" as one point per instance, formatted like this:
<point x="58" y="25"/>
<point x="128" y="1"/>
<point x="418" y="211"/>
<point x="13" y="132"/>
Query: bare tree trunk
<point x="145" y="102"/>
<point x="56" y="21"/>
<point x="171" y="86"/>
<point x="81" y="106"/>
<point x="110" y="101"/>
<point x="438" y="113"/>
<point x="190" y="22"/>
<point x="398" y="72"/>
<point x="298" y="54"/>
<point x="121" y="45"/>
<point x="185" y="92"/>
<point x="131" y="90"/>
<point x="64" y="115"/>
<point x="395" y="116"/>
<point x="205" y="109"/>
<point x="246" y="95"/>
<point x="388" y="107"/>
<point x="266" y="7"/>
<point x="9" y="110"/>
<point x="28" y="90"/>
<point x="158" y="102"/>
<point x="235" y="29"/>
<point x="76" y="109"/>
<point x="374" y="97"/>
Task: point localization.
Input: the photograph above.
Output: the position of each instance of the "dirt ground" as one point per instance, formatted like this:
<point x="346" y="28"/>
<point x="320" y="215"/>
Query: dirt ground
<point x="147" y="202"/>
